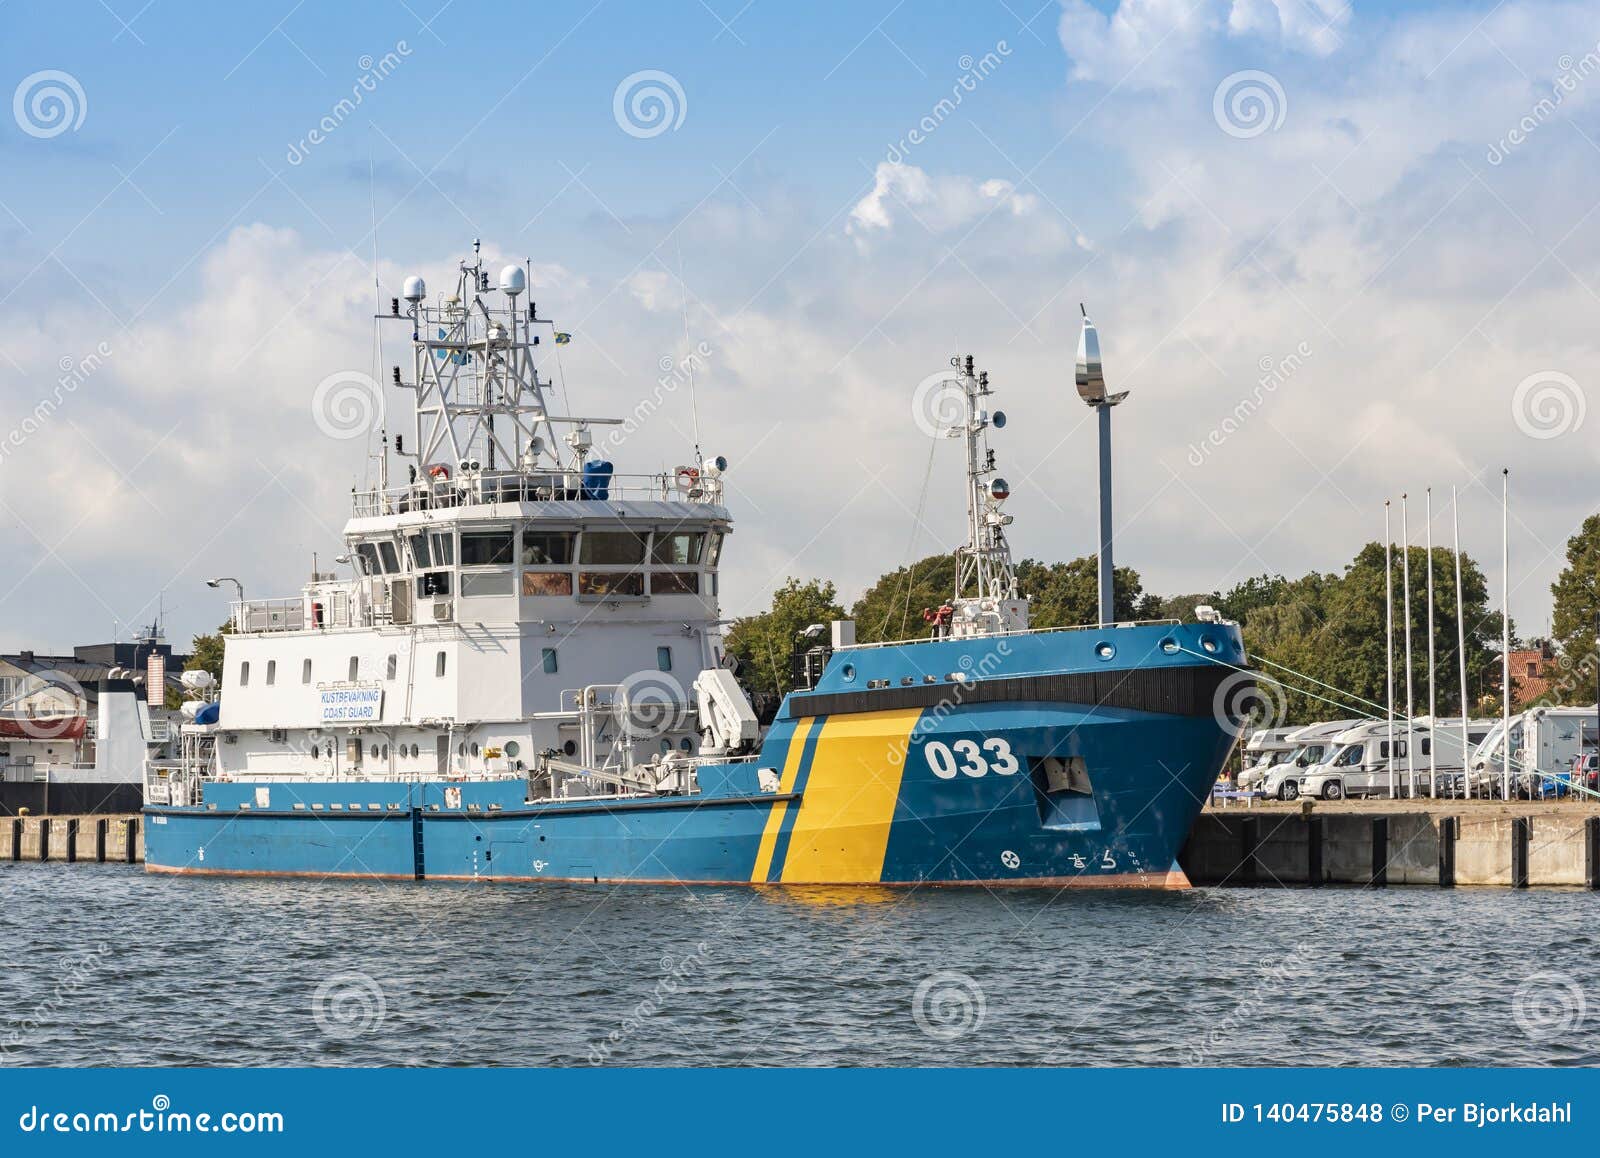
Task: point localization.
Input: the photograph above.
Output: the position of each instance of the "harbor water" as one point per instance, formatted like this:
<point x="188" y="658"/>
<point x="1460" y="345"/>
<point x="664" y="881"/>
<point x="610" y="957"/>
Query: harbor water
<point x="104" y="965"/>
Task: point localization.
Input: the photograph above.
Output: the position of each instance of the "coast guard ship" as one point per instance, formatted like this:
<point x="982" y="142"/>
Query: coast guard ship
<point x="523" y="679"/>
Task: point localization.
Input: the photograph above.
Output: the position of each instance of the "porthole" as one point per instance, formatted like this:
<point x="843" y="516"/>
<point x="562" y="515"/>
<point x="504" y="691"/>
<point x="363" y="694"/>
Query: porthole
<point x="1104" y="650"/>
<point x="474" y="749"/>
<point x="685" y="744"/>
<point x="570" y="748"/>
<point x="512" y="748"/>
<point x="1209" y="644"/>
<point x="1169" y="645"/>
<point x="374" y="751"/>
<point x="848" y="673"/>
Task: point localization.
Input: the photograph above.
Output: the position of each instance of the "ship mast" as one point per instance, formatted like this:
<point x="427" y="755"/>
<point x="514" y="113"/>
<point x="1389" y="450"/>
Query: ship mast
<point x="985" y="577"/>
<point x="480" y="403"/>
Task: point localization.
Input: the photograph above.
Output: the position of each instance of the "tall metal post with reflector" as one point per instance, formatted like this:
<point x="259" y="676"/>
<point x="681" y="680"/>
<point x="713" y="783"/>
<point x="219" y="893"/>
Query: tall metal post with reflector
<point x="1091" y="382"/>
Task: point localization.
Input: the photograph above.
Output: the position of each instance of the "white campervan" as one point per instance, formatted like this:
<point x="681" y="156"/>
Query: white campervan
<point x="1313" y="745"/>
<point x="1544" y="743"/>
<point x="1262" y="751"/>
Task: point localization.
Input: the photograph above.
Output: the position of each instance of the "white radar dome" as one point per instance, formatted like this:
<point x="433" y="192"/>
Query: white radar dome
<point x="415" y="289"/>
<point x="513" y="280"/>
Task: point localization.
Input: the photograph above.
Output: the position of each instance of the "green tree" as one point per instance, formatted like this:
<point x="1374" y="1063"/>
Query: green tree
<point x="1063" y="595"/>
<point x="764" y="643"/>
<point x="1332" y="629"/>
<point x="1068" y="594"/>
<point x="892" y="607"/>
<point x="1577" y="601"/>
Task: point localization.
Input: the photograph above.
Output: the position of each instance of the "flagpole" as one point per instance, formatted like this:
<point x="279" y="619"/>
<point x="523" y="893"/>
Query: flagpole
<point x="1505" y="633"/>
<point x="1461" y="647"/>
<point x="1433" y="722"/>
<point x="1388" y="651"/>
<point x="1411" y="710"/>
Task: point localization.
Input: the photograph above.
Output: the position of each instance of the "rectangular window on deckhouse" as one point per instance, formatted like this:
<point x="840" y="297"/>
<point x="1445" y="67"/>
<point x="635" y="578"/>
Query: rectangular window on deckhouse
<point x="547" y="548"/>
<point x="485" y="548"/>
<point x="612" y="547"/>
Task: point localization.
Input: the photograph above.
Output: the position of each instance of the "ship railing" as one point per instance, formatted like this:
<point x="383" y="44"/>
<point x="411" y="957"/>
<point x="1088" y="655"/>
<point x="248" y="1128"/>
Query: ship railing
<point x="1016" y="632"/>
<point x="332" y="608"/>
<point x="536" y="487"/>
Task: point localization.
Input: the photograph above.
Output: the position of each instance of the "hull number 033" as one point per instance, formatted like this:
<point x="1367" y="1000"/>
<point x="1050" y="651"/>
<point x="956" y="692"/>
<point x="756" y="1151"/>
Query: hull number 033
<point x="969" y="758"/>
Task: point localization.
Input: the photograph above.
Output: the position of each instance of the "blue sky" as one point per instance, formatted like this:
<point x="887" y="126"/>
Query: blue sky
<point x="1368" y="223"/>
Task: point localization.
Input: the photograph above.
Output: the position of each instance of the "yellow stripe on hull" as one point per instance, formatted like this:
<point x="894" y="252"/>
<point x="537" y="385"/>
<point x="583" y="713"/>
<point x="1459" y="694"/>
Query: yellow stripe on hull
<point x="841" y="832"/>
<point x="791" y="770"/>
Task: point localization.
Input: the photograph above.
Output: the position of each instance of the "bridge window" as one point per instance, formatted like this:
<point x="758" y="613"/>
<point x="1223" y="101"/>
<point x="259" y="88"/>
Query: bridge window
<point x="438" y="665"/>
<point x="664" y="658"/>
<point x="420" y="559"/>
<point x="389" y="557"/>
<point x="367" y="558"/>
<point x="444" y="548"/>
<point x="678" y="548"/>
<point x="550" y="661"/>
<point x="610" y="582"/>
<point x="392" y="667"/>
<point x="612" y="547"/>
<point x="487" y="583"/>
<point x="547" y="548"/>
<point x="244" y="674"/>
<point x="485" y="548"/>
<point x="305" y="671"/>
<point x="715" y="552"/>
<point x="675" y="583"/>
<point x="355" y="668"/>
<point x="434" y="583"/>
<point x="272" y="672"/>
<point x="547" y="583"/>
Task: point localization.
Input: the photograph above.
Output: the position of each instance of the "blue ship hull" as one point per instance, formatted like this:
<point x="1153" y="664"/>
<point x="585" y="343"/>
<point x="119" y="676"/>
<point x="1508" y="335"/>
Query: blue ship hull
<point x="890" y="772"/>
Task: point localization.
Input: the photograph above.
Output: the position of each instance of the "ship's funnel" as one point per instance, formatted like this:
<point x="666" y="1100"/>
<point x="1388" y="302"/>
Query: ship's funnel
<point x="1091" y="376"/>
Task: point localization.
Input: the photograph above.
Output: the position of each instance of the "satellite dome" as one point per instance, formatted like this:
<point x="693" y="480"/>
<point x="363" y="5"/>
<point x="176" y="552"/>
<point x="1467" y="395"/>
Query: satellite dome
<point x="513" y="280"/>
<point x="415" y="289"/>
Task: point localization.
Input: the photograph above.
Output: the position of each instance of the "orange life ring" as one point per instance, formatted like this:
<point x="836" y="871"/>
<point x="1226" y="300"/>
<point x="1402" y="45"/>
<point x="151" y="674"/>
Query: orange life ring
<point x="438" y="470"/>
<point x="688" y="476"/>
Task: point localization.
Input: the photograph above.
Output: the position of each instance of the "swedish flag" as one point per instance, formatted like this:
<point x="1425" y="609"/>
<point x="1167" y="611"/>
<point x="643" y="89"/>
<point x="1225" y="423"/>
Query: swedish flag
<point x="562" y="338"/>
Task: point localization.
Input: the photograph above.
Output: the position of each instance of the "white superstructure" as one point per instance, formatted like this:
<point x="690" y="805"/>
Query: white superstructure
<point x="513" y="608"/>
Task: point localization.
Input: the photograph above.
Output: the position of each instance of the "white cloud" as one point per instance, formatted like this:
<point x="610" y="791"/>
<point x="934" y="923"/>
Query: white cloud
<point x="904" y="192"/>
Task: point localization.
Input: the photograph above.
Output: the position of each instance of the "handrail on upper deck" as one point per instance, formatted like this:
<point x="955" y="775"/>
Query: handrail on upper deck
<point x="1015" y="631"/>
<point x="534" y="487"/>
